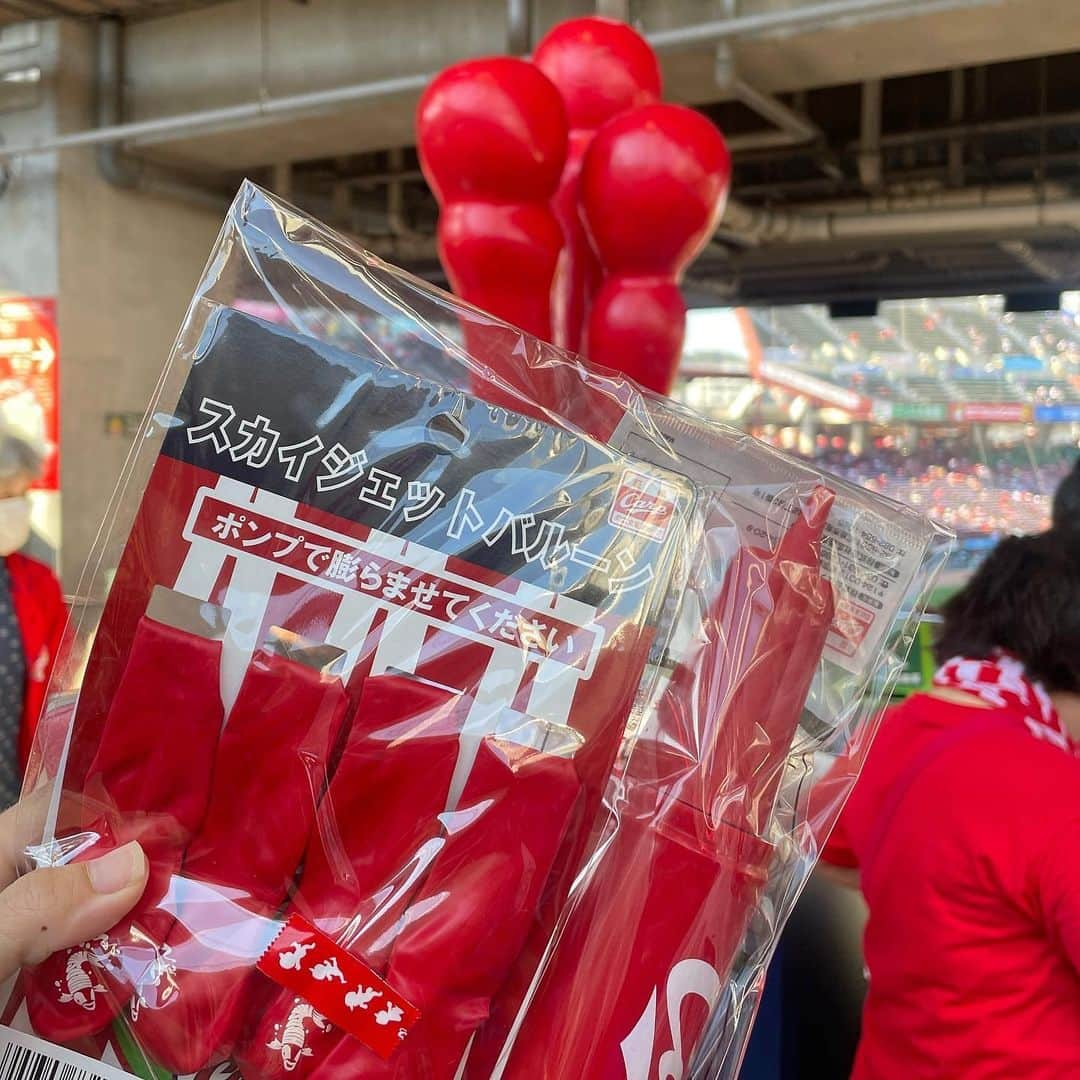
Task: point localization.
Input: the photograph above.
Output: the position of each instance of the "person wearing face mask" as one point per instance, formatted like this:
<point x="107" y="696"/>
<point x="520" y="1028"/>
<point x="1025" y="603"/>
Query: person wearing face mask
<point x="32" y="615"/>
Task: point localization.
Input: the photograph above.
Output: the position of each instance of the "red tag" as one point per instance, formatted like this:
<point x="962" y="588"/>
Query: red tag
<point x="344" y="989"/>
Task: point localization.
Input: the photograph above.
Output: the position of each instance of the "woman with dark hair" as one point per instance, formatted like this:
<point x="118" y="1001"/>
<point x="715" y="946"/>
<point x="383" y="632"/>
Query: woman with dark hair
<point x="963" y="832"/>
<point x="1066" y="511"/>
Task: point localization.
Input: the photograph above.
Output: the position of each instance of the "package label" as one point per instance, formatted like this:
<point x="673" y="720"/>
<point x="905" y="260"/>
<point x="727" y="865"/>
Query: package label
<point x="25" y="1057"/>
<point x="870" y="557"/>
<point x="397" y="576"/>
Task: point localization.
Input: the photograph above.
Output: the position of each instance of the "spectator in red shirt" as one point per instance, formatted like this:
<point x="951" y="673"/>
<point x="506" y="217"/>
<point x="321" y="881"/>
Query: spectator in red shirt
<point x="963" y="832"/>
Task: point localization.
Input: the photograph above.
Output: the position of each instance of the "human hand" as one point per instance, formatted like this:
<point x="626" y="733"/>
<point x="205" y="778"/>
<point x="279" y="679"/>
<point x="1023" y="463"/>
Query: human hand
<point x="56" y="907"/>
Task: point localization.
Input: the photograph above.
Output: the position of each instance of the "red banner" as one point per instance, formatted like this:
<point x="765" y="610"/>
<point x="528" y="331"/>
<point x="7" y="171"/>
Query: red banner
<point x="29" y="382"/>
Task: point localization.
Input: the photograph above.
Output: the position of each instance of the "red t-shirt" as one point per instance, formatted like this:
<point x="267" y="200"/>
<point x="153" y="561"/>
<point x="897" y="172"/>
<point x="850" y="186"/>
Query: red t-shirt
<point x="973" y="886"/>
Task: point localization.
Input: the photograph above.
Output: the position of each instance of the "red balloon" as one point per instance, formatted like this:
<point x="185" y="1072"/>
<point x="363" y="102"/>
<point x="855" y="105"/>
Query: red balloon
<point x="492" y="139"/>
<point x="653" y="187"/>
<point x="601" y="68"/>
<point x="637" y="326"/>
<point x="492" y="128"/>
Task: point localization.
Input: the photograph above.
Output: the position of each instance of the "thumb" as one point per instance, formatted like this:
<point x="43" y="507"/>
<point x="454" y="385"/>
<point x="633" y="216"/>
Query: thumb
<point x="57" y="907"/>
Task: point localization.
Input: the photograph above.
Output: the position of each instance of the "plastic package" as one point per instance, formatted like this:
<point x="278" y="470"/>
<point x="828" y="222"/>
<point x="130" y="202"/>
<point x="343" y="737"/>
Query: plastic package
<point x="466" y="699"/>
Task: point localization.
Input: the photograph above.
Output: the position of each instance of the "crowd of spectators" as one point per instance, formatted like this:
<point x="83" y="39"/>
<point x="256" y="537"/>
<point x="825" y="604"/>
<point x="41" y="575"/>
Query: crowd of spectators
<point x="1009" y="493"/>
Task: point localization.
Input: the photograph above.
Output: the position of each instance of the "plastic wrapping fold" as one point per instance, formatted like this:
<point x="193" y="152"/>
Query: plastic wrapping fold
<point x="465" y="698"/>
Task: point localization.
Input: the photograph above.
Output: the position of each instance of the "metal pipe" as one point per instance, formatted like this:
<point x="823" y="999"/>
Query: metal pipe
<point x="765" y="22"/>
<point x="234" y="116"/>
<point x="967" y="131"/>
<point x="281" y="178"/>
<point x="869" y="156"/>
<point x="792" y="128"/>
<point x="228" y="117"/>
<point x="395" y="200"/>
<point x="945" y="216"/>
<point x="897" y="200"/>
<point x="763" y="140"/>
<point x="118" y="169"/>
<point x="377" y="179"/>
<point x="1025" y="254"/>
<point x="614" y="9"/>
<point x="798" y="127"/>
<point x="956" y="115"/>
<point x="518" y="26"/>
<point x="122" y="170"/>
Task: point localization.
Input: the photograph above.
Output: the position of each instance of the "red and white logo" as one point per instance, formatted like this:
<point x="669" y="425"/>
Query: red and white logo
<point x="644" y="505"/>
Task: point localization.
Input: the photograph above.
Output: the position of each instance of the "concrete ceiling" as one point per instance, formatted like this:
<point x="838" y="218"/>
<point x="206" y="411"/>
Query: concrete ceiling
<point x="976" y="96"/>
<point x="12" y="11"/>
<point x="217" y="58"/>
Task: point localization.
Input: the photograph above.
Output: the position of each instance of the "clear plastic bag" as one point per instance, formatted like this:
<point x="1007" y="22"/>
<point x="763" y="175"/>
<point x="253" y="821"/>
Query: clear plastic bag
<point x="465" y="698"/>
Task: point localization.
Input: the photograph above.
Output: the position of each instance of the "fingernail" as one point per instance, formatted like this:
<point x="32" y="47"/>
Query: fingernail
<point x="118" y="869"/>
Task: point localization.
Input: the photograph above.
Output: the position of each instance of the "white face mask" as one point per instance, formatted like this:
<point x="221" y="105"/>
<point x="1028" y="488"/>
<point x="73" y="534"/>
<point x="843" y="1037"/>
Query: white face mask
<point x="14" y="524"/>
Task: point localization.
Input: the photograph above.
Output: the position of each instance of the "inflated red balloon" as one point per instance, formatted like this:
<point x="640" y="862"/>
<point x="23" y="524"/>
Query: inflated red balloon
<point x="492" y="139"/>
<point x="601" y="68"/>
<point x="653" y="187"/>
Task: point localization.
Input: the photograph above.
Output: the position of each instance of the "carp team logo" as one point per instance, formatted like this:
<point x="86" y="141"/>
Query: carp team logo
<point x="81" y="985"/>
<point x="291" y="1038"/>
<point x="644" y="505"/>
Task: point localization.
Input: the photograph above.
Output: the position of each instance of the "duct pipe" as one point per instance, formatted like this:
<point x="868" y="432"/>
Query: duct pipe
<point x="972" y="130"/>
<point x="799" y="18"/>
<point x="518" y="26"/>
<point x="956" y="115"/>
<point x="230" y="117"/>
<point x="792" y="127"/>
<point x="807" y="227"/>
<point x="799" y="127"/>
<point x="869" y="157"/>
<point x="115" y="167"/>
<point x="395" y="201"/>
<point x="898" y="199"/>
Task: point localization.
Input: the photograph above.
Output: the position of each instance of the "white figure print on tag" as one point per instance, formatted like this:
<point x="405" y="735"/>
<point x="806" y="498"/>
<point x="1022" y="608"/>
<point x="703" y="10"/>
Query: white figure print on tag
<point x="293" y="960"/>
<point x="361" y="997"/>
<point x="325" y="970"/>
<point x="390" y="1015"/>
<point x="290" y="1039"/>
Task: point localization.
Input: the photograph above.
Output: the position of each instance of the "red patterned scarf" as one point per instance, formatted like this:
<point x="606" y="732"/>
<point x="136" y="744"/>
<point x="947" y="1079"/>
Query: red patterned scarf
<point x="1001" y="681"/>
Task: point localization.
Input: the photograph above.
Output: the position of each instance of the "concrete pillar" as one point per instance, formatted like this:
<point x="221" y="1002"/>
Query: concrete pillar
<point x="126" y="267"/>
<point x="808" y="430"/>
<point x="857" y="441"/>
<point x="28" y="206"/>
<point x="29" y="226"/>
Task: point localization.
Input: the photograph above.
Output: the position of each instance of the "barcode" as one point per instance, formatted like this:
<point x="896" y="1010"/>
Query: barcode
<point x="24" y="1057"/>
<point x="21" y="1063"/>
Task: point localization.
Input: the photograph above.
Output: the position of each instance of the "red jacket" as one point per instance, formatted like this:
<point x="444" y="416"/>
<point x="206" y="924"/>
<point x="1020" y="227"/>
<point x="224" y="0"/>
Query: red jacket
<point x="39" y="607"/>
<point x="973" y="883"/>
